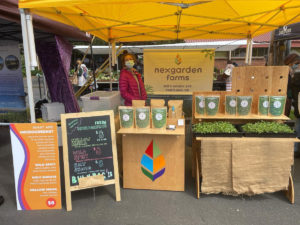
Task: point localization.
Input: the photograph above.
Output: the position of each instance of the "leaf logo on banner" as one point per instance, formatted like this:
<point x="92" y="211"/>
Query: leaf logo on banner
<point x="178" y="59"/>
<point x="153" y="162"/>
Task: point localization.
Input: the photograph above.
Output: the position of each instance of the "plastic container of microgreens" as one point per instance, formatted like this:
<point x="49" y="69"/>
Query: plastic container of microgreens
<point x="263" y="105"/>
<point x="244" y="105"/>
<point x="159" y="117"/>
<point x="200" y="105"/>
<point x="126" y="117"/>
<point x="277" y="104"/>
<point x="142" y="117"/>
<point x="230" y="105"/>
<point x="212" y="105"/>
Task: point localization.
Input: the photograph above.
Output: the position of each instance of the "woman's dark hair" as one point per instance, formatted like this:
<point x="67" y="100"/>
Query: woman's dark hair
<point x="125" y="53"/>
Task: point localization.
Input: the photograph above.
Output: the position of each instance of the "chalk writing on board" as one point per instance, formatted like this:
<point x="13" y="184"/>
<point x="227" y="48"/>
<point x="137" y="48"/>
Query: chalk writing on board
<point x="90" y="148"/>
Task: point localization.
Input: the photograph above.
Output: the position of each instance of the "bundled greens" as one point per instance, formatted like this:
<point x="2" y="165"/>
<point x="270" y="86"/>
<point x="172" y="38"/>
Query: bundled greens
<point x="214" y="127"/>
<point x="126" y="117"/>
<point x="200" y="104"/>
<point x="277" y="105"/>
<point x="212" y="105"/>
<point x="159" y="117"/>
<point x="142" y="117"/>
<point x="263" y="105"/>
<point x="266" y="127"/>
<point x="244" y="105"/>
<point x="231" y="105"/>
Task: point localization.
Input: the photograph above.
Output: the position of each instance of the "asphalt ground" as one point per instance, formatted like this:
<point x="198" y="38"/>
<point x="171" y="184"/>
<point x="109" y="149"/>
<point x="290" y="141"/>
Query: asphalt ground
<point x="143" y="207"/>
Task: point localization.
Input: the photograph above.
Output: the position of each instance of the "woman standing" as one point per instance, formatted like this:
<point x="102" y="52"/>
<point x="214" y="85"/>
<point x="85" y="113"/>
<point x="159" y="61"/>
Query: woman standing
<point x="130" y="83"/>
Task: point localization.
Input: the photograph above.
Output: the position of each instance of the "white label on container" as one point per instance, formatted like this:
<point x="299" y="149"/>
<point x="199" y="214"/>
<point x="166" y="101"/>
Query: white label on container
<point x="126" y="117"/>
<point x="201" y="104"/>
<point x="244" y="103"/>
<point x="266" y="104"/>
<point x="142" y="116"/>
<point x="158" y="116"/>
<point x="180" y="122"/>
<point x="232" y="103"/>
<point x="277" y="104"/>
<point x="211" y="105"/>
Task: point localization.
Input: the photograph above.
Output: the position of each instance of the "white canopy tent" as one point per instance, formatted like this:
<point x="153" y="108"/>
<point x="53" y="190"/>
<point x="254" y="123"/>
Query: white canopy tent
<point x="218" y="45"/>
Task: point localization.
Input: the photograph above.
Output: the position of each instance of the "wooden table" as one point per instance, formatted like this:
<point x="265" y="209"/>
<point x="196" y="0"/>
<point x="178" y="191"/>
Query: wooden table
<point x="252" y="143"/>
<point x="153" y="158"/>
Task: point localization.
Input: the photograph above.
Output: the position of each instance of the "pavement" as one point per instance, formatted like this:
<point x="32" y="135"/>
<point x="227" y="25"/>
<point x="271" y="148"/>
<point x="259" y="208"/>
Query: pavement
<point x="145" y="207"/>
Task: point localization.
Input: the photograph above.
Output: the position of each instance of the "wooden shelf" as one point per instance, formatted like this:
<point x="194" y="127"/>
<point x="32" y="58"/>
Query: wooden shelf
<point x="254" y="139"/>
<point x="178" y="131"/>
<point x="237" y="117"/>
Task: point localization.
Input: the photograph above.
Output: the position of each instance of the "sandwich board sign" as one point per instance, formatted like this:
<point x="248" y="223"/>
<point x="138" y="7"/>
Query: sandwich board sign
<point x="90" y="154"/>
<point x="36" y="165"/>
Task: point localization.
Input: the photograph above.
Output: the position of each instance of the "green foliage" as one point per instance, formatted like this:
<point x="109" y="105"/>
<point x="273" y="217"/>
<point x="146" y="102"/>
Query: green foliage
<point x="200" y="104"/>
<point x="266" y="127"/>
<point x="159" y="117"/>
<point x="126" y="117"/>
<point x="214" y="127"/>
<point x="277" y="105"/>
<point x="142" y="117"/>
<point x="244" y="105"/>
<point x="15" y="117"/>
<point x="149" y="89"/>
<point x="212" y="105"/>
<point x="231" y="105"/>
<point x="105" y="77"/>
<point x="209" y="53"/>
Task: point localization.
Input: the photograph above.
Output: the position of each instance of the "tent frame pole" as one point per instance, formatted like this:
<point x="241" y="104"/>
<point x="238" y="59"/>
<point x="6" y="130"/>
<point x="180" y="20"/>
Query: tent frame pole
<point x="247" y="52"/>
<point x="250" y="51"/>
<point x="109" y="59"/>
<point x="27" y="65"/>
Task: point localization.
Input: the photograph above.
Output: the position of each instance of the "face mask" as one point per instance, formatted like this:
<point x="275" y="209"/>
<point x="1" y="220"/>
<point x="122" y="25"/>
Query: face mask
<point x="129" y="64"/>
<point x="295" y="66"/>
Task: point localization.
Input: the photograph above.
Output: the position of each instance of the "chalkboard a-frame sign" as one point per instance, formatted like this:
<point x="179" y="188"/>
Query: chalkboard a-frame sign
<point x="89" y="152"/>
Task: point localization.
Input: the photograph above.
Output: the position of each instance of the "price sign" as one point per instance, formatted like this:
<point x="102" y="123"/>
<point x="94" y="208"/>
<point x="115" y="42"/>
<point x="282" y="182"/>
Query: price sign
<point x="89" y="151"/>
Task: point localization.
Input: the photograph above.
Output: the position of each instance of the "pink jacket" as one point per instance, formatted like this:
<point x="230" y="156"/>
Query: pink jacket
<point x="129" y="87"/>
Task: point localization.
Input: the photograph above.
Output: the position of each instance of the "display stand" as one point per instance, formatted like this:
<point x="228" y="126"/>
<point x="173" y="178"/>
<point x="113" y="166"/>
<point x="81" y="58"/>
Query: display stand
<point x="246" y="81"/>
<point x="89" y="152"/>
<point x="165" y="164"/>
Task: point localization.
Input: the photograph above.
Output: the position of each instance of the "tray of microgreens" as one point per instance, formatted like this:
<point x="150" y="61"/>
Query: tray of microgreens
<point x="215" y="129"/>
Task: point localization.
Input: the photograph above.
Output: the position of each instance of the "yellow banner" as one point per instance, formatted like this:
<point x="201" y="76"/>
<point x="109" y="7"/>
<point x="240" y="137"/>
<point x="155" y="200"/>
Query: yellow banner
<point x="178" y="71"/>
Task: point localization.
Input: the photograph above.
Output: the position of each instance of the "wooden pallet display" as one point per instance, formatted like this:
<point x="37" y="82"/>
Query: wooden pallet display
<point x="260" y="80"/>
<point x="246" y="81"/>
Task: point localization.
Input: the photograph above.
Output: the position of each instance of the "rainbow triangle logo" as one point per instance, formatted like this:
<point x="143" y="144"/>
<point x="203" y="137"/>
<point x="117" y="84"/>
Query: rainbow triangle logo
<point x="153" y="162"/>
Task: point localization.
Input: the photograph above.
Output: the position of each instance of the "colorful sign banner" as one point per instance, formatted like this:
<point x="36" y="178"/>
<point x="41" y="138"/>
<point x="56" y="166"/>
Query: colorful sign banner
<point x="178" y="71"/>
<point x="36" y="165"/>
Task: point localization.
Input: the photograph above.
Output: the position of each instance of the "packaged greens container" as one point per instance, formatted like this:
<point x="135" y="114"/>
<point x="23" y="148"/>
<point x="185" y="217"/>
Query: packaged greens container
<point x="277" y="104"/>
<point x="212" y="105"/>
<point x="200" y="104"/>
<point x="126" y="116"/>
<point x="231" y="105"/>
<point x="142" y="117"/>
<point x="159" y="117"/>
<point x="263" y="105"/>
<point x="244" y="105"/>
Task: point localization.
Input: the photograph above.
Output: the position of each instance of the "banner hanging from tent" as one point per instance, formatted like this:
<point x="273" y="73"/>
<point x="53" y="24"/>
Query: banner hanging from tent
<point x="177" y="71"/>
